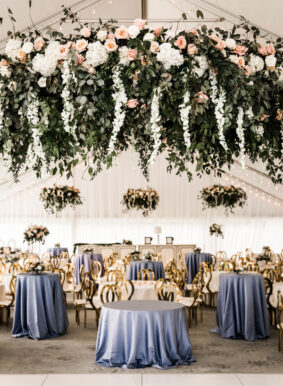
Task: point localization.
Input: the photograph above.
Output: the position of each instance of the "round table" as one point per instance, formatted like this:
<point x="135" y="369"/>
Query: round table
<point x="139" y="333"/>
<point x="193" y="261"/>
<point x="156" y="266"/>
<point x="85" y="259"/>
<point x="57" y="251"/>
<point x="40" y="309"/>
<point x="242" y="309"/>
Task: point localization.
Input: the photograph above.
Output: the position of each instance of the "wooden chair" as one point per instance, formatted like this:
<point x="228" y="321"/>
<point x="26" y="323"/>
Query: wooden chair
<point x="146" y="274"/>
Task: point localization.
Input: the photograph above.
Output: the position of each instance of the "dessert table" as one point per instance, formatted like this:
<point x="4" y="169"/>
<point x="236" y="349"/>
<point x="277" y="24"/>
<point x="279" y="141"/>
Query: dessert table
<point x="193" y="261"/>
<point x="139" y="333"/>
<point x="40" y="309"/>
<point x="85" y="259"/>
<point x="242" y="309"/>
<point x="156" y="266"/>
<point x="57" y="251"/>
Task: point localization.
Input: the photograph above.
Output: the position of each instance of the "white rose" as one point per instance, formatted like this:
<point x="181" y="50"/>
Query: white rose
<point x="148" y="37"/>
<point x="12" y="48"/>
<point x="102" y="35"/>
<point x="260" y="130"/>
<point x="133" y="31"/>
<point x="230" y="44"/>
<point x="27" y="47"/>
<point x="39" y="268"/>
<point x="4" y="71"/>
<point x="96" y="54"/>
<point x="256" y="63"/>
<point x="42" y="81"/>
<point x="270" y="61"/>
<point x="154" y="47"/>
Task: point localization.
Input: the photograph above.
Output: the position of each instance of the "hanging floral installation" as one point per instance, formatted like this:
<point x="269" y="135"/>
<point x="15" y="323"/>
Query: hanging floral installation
<point x="204" y="97"/>
<point x="145" y="200"/>
<point x="57" y="198"/>
<point x="36" y="234"/>
<point x="216" y="229"/>
<point x="219" y="195"/>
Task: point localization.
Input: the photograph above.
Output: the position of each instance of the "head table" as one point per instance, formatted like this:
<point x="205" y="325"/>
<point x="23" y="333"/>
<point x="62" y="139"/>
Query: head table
<point x="40" y="310"/>
<point x="139" y="333"/>
<point x="156" y="266"/>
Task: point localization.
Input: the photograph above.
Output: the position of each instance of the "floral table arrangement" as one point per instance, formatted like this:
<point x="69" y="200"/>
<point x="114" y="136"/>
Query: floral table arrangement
<point x="219" y="195"/>
<point x="216" y="230"/>
<point x="197" y="250"/>
<point x="36" y="234"/>
<point x="136" y="255"/>
<point x="56" y="198"/>
<point x="145" y="200"/>
<point x="149" y="256"/>
<point x="37" y="267"/>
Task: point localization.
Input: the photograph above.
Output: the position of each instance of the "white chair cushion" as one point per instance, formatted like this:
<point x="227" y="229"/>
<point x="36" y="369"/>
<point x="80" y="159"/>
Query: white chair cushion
<point x="186" y="301"/>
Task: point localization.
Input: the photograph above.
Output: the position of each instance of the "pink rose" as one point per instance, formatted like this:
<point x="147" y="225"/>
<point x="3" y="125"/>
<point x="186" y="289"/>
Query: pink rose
<point x="266" y="50"/>
<point x="202" y="98"/>
<point x="132" y="103"/>
<point x="132" y="54"/>
<point x="64" y="51"/>
<point x="240" y="50"/>
<point x="181" y="42"/>
<point x="139" y="23"/>
<point x="38" y="43"/>
<point x="79" y="60"/>
<point x="81" y="45"/>
<point x="85" y="32"/>
<point x="122" y="33"/>
<point x="21" y="56"/>
<point x="247" y="70"/>
<point x="192" y="49"/>
<point x="110" y="45"/>
<point x="157" y="30"/>
<point x="220" y="44"/>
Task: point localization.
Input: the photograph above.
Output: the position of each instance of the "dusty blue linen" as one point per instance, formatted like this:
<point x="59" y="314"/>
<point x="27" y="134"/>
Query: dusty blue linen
<point x="84" y="259"/>
<point x="193" y="261"/>
<point x="156" y="266"/>
<point x="57" y="251"/>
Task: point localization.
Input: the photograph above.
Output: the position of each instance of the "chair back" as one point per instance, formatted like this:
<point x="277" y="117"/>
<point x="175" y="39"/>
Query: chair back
<point x="114" y="275"/>
<point x="55" y="262"/>
<point x="110" y="293"/>
<point x="177" y="277"/>
<point x="168" y="292"/>
<point x="96" y="268"/>
<point x="146" y="274"/>
<point x="170" y="266"/>
<point x="270" y="274"/>
<point x="90" y="288"/>
<point x="15" y="268"/>
<point x="126" y="288"/>
<point x="109" y="261"/>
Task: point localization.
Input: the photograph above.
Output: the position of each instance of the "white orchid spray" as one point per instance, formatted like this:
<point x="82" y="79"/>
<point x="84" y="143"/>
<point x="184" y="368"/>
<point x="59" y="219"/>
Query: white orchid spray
<point x="68" y="77"/>
<point x="185" y="109"/>
<point x="155" y="124"/>
<point x="120" y="99"/>
<point x="219" y="102"/>
<point x="241" y="135"/>
<point x="2" y="108"/>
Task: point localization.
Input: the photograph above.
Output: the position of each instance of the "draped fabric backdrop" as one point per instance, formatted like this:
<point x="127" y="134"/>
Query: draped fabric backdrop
<point x="102" y="218"/>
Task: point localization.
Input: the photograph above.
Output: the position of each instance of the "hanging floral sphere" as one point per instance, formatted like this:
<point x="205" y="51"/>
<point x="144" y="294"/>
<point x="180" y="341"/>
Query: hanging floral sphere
<point x="145" y="200"/>
<point x="36" y="233"/>
<point x="220" y="195"/>
<point x="216" y="229"/>
<point x="56" y="198"/>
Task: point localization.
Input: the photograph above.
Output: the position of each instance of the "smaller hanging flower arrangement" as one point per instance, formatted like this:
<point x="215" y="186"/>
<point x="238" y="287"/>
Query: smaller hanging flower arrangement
<point x="36" y="233"/>
<point x="220" y="195"/>
<point x="216" y="230"/>
<point x="56" y="198"/>
<point x="145" y="200"/>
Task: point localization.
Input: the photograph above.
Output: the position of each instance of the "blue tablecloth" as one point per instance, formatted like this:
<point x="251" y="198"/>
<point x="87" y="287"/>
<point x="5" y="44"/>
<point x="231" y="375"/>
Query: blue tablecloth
<point x="241" y="309"/>
<point x="193" y="261"/>
<point x="84" y="259"/>
<point x="40" y="310"/>
<point x="156" y="266"/>
<point x="141" y="333"/>
<point x="57" y="251"/>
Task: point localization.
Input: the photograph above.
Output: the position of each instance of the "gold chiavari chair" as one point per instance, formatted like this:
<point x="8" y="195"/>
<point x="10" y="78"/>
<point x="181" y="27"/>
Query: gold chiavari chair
<point x="270" y="273"/>
<point x="169" y="268"/>
<point x="279" y="271"/>
<point x="205" y="271"/>
<point x="146" y="274"/>
<point x="8" y="301"/>
<point x="226" y="266"/>
<point x="15" y="268"/>
<point x="3" y="269"/>
<point x="96" y="269"/>
<point x="88" y="290"/>
<point x="268" y="292"/>
<point x="279" y="318"/>
<point x="177" y="277"/>
<point x="169" y="291"/>
<point x="109" y="262"/>
<point x="127" y="289"/>
<point x="114" y="275"/>
<point x="252" y="266"/>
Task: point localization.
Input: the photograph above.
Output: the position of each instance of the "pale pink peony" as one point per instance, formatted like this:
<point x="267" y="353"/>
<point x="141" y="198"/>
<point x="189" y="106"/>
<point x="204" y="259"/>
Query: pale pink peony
<point x="157" y="30"/>
<point x="266" y="50"/>
<point x="132" y="103"/>
<point x="21" y="56"/>
<point x="122" y="33"/>
<point x="110" y="45"/>
<point x="192" y="49"/>
<point x="38" y="43"/>
<point x="132" y="54"/>
<point x="202" y="98"/>
<point x="181" y="42"/>
<point x="139" y="23"/>
<point x="81" y="45"/>
<point x="220" y="44"/>
<point x="85" y="32"/>
<point x="64" y="51"/>
<point x="240" y="50"/>
<point x="79" y="60"/>
<point x="154" y="47"/>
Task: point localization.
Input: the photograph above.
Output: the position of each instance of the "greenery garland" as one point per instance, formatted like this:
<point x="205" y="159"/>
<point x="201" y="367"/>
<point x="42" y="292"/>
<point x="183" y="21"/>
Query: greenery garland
<point x="145" y="200"/>
<point x="204" y="96"/>
<point x="56" y="198"/>
<point x="220" y="195"/>
<point x="36" y="233"/>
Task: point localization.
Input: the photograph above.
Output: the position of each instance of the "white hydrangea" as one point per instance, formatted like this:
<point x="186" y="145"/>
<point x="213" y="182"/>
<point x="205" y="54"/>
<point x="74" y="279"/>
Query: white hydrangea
<point x="241" y="136"/>
<point x="133" y="31"/>
<point x="96" y="54"/>
<point x="102" y="35"/>
<point x="4" y="71"/>
<point x="45" y="65"/>
<point x="149" y="36"/>
<point x="259" y="130"/>
<point x="256" y="63"/>
<point x="230" y="44"/>
<point x="12" y="48"/>
<point x="27" y="47"/>
<point x="169" y="56"/>
<point x="201" y="65"/>
<point x="53" y="50"/>
<point x="270" y="61"/>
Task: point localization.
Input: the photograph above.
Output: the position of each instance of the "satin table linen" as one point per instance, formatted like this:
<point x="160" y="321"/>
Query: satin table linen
<point x="193" y="261"/>
<point x="156" y="266"/>
<point x="140" y="333"/>
<point x="143" y="289"/>
<point x="85" y="259"/>
<point x="242" y="309"/>
<point x="57" y="251"/>
<point x="40" y="310"/>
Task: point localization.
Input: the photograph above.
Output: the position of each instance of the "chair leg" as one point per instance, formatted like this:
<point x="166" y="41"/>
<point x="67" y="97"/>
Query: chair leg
<point x="97" y="317"/>
<point x="280" y="338"/>
<point x="85" y="319"/>
<point x="8" y="315"/>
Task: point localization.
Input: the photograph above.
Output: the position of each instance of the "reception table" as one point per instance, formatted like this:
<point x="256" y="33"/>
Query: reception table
<point x="143" y="289"/>
<point x="242" y="309"/>
<point x="193" y="261"/>
<point x="156" y="266"/>
<point x="40" y="310"/>
<point x="85" y="259"/>
<point x="57" y="251"/>
<point x="139" y="333"/>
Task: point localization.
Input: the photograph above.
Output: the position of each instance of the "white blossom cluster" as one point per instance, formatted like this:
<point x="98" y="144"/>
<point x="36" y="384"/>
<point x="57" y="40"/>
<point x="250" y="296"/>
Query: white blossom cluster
<point x="46" y="64"/>
<point x="155" y="124"/>
<point x="240" y="133"/>
<point x="2" y="114"/>
<point x="123" y="55"/>
<point x="169" y="56"/>
<point x="12" y="48"/>
<point x="201" y="65"/>
<point x="68" y="108"/>
<point x="5" y="72"/>
<point x="219" y="102"/>
<point x="120" y="99"/>
<point x="256" y="63"/>
<point x="249" y="113"/>
<point x="96" y="54"/>
<point x="185" y="109"/>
